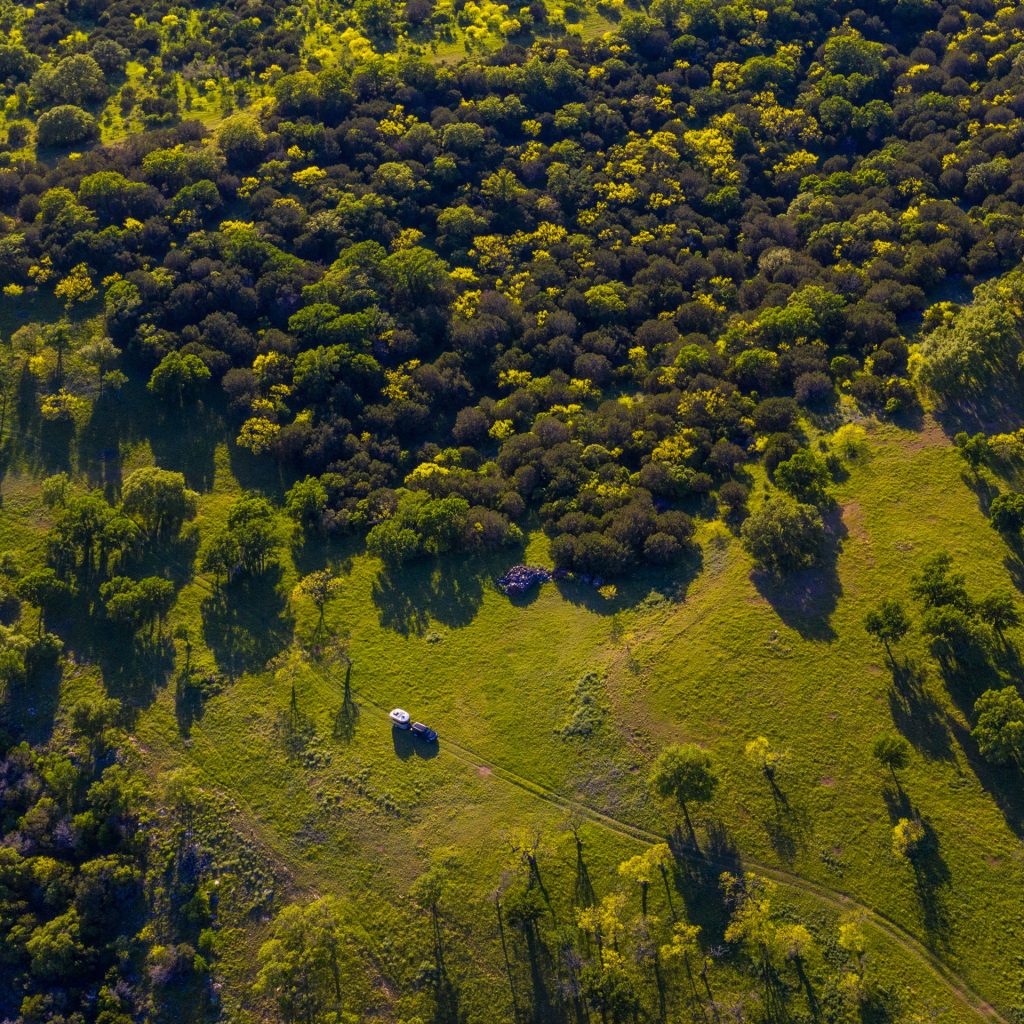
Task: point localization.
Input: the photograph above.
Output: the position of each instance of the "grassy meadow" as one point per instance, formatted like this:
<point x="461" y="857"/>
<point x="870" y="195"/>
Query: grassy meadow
<point x="314" y="794"/>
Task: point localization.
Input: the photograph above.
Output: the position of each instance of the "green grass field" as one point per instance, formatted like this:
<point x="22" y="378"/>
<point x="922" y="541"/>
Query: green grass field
<point x="338" y="806"/>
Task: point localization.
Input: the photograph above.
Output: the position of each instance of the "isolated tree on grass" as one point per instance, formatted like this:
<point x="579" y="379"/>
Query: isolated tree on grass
<point x="783" y="535"/>
<point x="999" y="730"/>
<point x="684" y="773"/>
<point x="908" y="835"/>
<point x="759" y="753"/>
<point x="888" y="623"/>
<point x="937" y="585"/>
<point x="320" y="587"/>
<point x="892" y="752"/>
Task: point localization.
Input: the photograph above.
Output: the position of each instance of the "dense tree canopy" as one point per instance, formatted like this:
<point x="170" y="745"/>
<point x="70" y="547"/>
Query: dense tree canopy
<point x="588" y="283"/>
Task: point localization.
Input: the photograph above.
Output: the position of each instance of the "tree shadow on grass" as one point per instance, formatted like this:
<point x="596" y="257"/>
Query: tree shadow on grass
<point x="134" y="670"/>
<point x="787" y="826"/>
<point x="968" y="672"/>
<point x="446" y="590"/>
<point x="698" y="878"/>
<point x="310" y="554"/>
<point x="296" y="731"/>
<point x="931" y="873"/>
<point x="1003" y="783"/>
<point x="347" y="717"/>
<point x="448" y="1007"/>
<point x="247" y="622"/>
<point x="30" y="705"/>
<point x="805" y="600"/>
<point x="984" y="490"/>
<point x="55" y="445"/>
<point x="186" y="442"/>
<point x="173" y="558"/>
<point x="997" y="413"/>
<point x="1014" y="565"/>
<point x="916" y="713"/>
<point x="643" y="583"/>
<point x="258" y="473"/>
<point x="192" y="691"/>
<point x="100" y="439"/>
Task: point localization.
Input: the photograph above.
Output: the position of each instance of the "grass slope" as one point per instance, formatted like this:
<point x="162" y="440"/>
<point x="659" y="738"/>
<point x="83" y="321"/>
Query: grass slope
<point x="335" y="805"/>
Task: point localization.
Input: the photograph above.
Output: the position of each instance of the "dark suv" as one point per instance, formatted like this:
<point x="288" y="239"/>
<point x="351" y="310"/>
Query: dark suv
<point x="424" y="732"/>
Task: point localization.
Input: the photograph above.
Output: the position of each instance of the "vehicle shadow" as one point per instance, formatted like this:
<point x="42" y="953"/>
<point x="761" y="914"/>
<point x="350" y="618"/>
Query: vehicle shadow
<point x="407" y="745"/>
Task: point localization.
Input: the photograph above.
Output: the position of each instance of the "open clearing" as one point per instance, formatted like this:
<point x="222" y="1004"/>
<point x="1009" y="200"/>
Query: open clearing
<point x="711" y="659"/>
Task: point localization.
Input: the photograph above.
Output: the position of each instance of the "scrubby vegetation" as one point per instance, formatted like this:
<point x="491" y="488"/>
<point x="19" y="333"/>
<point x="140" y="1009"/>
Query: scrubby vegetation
<point x="316" y="318"/>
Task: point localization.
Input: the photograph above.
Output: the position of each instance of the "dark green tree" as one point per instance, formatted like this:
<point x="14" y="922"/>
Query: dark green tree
<point x="892" y="752"/>
<point x="684" y="773"/>
<point x="887" y="623"/>
<point x="784" y="535"/>
<point x="999" y="726"/>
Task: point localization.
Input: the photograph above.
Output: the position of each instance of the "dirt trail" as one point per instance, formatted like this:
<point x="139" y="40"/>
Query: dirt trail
<point x="835" y="898"/>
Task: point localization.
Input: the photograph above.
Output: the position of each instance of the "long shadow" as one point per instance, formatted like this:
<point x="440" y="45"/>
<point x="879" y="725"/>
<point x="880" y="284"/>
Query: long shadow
<point x="191" y="693"/>
<point x="296" y="730"/>
<point x="931" y="879"/>
<point x="449" y="591"/>
<point x="968" y="672"/>
<point x="258" y="473"/>
<point x="1014" y="565"/>
<point x="541" y="966"/>
<point x="805" y="600"/>
<point x="985" y="491"/>
<point x="787" y="826"/>
<point x="1003" y="783"/>
<point x="916" y="713"/>
<point x="316" y="552"/>
<point x="173" y="558"/>
<point x="447" y="1005"/>
<point x="931" y="874"/>
<point x="1007" y="658"/>
<point x="100" y="439"/>
<point x="55" y="445"/>
<point x="348" y="713"/>
<point x="641" y="584"/>
<point x="546" y="993"/>
<point x="134" y="670"/>
<point x="583" y="891"/>
<point x="996" y="413"/>
<point x="697" y="879"/>
<point x="813" y="1005"/>
<point x="247" y="622"/>
<point x="29" y="708"/>
<point x="186" y="441"/>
